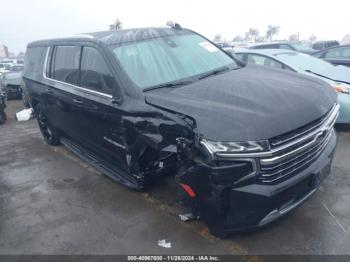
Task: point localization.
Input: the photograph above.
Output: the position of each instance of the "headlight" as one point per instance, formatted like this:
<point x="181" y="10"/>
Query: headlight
<point x="341" y="88"/>
<point x="235" y="147"/>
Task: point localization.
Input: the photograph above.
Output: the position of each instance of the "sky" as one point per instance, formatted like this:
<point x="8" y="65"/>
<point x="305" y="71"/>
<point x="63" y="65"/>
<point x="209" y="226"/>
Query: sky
<point x="22" y="21"/>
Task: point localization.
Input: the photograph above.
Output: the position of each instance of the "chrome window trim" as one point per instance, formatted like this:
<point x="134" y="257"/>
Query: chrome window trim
<point x="326" y="126"/>
<point x="78" y="88"/>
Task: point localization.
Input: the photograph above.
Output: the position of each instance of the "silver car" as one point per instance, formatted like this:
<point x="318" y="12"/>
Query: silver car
<point x="337" y="76"/>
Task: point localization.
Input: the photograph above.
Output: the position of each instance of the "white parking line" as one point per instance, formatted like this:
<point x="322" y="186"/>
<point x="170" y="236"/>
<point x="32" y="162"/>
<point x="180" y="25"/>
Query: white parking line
<point x="336" y="220"/>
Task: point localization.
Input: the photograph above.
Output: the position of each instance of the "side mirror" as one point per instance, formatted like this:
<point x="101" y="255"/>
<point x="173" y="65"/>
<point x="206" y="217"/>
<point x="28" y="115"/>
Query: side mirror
<point x="229" y="54"/>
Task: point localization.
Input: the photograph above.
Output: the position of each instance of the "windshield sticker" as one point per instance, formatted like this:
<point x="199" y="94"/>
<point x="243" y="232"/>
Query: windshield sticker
<point x="208" y="46"/>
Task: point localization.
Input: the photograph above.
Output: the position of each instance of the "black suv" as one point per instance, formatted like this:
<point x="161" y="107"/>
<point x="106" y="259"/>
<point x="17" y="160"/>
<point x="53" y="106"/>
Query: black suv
<point x="245" y="144"/>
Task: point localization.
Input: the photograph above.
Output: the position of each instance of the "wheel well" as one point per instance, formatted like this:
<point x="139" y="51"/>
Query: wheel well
<point x="34" y="104"/>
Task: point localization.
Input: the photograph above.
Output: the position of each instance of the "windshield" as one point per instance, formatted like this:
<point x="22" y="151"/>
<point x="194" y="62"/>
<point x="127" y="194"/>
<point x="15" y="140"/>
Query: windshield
<point x="167" y="59"/>
<point x="304" y="62"/>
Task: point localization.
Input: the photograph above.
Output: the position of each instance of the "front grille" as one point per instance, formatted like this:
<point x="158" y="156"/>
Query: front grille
<point x="297" y="150"/>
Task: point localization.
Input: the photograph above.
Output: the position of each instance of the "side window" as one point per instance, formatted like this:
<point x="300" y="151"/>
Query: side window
<point x="316" y="46"/>
<point x="95" y="74"/>
<point x="272" y="46"/>
<point x="283" y="46"/>
<point x="263" y="61"/>
<point x="338" y="53"/>
<point x="34" y="61"/>
<point x="65" y="65"/>
<point x="266" y="47"/>
<point x="239" y="56"/>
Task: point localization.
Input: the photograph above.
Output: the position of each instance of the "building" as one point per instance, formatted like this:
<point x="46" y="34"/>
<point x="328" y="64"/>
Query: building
<point x="4" y="52"/>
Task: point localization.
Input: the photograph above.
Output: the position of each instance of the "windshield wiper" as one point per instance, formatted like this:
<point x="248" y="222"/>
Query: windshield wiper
<point x="168" y="85"/>
<point x="311" y="72"/>
<point x="215" y="72"/>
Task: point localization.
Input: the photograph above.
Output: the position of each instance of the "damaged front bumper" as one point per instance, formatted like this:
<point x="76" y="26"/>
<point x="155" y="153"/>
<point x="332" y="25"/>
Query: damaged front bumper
<point x="228" y="204"/>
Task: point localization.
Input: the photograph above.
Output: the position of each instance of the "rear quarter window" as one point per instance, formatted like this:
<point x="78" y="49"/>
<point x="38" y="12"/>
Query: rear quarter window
<point x="34" y="62"/>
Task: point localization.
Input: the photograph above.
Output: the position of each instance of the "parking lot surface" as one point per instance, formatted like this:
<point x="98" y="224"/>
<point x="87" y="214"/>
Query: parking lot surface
<point x="51" y="202"/>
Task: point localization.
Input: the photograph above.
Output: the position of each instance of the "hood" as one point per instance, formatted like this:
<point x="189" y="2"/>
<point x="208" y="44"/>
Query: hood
<point x="251" y="103"/>
<point x="336" y="73"/>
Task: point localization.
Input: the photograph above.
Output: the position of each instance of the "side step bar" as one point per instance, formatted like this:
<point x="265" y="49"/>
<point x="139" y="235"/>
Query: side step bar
<point x="104" y="167"/>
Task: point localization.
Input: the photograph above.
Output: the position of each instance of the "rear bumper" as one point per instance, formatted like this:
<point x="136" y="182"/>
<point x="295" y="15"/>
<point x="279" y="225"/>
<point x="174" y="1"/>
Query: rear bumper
<point x="249" y="205"/>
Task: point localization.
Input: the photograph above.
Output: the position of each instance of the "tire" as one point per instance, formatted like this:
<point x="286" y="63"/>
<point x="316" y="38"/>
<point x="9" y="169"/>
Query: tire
<point x="49" y="133"/>
<point x="3" y="117"/>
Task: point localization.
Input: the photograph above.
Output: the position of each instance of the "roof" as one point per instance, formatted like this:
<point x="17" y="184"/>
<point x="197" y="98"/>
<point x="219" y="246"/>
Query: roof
<point x="270" y="52"/>
<point x="270" y="43"/>
<point x="120" y="36"/>
<point x="330" y="48"/>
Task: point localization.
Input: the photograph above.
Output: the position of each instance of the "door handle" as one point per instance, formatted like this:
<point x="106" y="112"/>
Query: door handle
<point x="50" y="90"/>
<point x="78" y="101"/>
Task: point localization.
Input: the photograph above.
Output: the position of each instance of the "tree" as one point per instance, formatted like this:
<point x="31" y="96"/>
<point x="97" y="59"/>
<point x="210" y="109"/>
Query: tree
<point x="217" y="38"/>
<point x="251" y="34"/>
<point x="247" y="36"/>
<point x="254" y="33"/>
<point x="272" y="31"/>
<point x="238" y="38"/>
<point x="293" y="37"/>
<point x="117" y="25"/>
<point x="260" y="39"/>
<point x="312" y="38"/>
<point x="346" y="38"/>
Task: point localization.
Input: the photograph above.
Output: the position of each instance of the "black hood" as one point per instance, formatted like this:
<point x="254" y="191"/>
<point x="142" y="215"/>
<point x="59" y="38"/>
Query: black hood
<point x="251" y="103"/>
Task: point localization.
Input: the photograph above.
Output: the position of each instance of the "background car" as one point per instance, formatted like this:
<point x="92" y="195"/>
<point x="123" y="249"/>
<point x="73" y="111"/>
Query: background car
<point x="225" y="46"/>
<point x="3" y="116"/>
<point x="339" y="55"/>
<point x="294" y="46"/>
<point x="10" y="83"/>
<point x="320" y="45"/>
<point x="4" y="67"/>
<point x="337" y="76"/>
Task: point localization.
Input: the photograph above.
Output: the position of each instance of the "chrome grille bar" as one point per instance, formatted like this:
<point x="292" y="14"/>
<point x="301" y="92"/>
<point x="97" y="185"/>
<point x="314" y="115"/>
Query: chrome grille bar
<point x="298" y="168"/>
<point x="299" y="153"/>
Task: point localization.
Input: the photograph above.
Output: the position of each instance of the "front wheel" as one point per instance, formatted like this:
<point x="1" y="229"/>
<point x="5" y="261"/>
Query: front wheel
<point x="25" y="100"/>
<point x="3" y="117"/>
<point x="49" y="133"/>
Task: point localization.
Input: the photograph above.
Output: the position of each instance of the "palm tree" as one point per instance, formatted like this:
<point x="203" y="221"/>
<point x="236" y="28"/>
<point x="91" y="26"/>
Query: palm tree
<point x="217" y="38"/>
<point x="312" y="38"/>
<point x="117" y="25"/>
<point x="238" y="38"/>
<point x="293" y="37"/>
<point x="272" y="31"/>
<point x="253" y="33"/>
<point x="346" y="38"/>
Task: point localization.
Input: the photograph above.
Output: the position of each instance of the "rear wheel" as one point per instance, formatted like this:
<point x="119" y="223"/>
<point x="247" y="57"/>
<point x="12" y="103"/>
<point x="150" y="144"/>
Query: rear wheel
<point x="3" y="117"/>
<point x="49" y="133"/>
